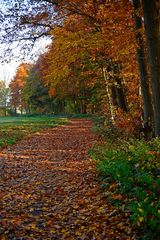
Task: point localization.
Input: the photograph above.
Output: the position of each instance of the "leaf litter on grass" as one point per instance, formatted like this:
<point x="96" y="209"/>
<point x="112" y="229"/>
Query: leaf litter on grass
<point x="49" y="189"/>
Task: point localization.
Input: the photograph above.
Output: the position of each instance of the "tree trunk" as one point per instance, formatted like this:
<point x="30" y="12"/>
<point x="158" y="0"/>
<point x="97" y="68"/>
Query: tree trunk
<point x="84" y="107"/>
<point x="114" y="95"/>
<point x="144" y="82"/>
<point x="152" y="28"/>
<point x="120" y="95"/>
<point x="117" y="81"/>
<point x="109" y="98"/>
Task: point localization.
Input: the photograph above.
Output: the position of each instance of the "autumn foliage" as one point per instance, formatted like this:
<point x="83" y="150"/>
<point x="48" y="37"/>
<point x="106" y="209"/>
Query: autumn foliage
<point x="17" y="85"/>
<point x="104" y="59"/>
<point x="97" y="62"/>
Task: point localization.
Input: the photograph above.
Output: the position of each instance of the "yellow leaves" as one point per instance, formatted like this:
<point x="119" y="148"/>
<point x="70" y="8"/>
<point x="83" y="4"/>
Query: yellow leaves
<point x="53" y="231"/>
<point x="140" y="210"/>
<point x="140" y="220"/>
<point x="38" y="183"/>
<point x="69" y="48"/>
<point x="78" y="233"/>
<point x="32" y="226"/>
<point x="101" y="209"/>
<point x="31" y="209"/>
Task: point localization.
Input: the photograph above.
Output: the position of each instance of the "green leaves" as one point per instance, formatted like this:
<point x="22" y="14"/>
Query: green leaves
<point x="133" y="170"/>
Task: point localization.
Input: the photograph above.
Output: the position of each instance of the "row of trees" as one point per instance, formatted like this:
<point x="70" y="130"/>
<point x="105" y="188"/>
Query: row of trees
<point x="31" y="93"/>
<point x="28" y="94"/>
<point x="104" y="57"/>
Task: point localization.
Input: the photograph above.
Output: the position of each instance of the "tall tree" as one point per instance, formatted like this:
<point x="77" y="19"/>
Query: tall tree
<point x="144" y="78"/>
<point x="152" y="28"/>
<point x="95" y="27"/>
<point x="16" y="87"/>
<point x="37" y="96"/>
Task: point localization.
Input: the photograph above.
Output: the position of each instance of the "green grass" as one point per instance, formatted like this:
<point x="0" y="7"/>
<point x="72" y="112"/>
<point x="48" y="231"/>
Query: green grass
<point x="12" y="129"/>
<point x="134" y="169"/>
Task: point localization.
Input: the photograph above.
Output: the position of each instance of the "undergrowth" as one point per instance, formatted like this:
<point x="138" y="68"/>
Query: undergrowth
<point x="130" y="178"/>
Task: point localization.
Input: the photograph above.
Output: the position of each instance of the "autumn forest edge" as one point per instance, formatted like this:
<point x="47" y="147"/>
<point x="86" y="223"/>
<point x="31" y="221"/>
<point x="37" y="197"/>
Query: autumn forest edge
<point x="104" y="59"/>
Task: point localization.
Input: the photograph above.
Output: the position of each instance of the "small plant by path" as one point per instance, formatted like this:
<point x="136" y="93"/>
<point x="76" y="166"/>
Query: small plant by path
<point x="49" y="189"/>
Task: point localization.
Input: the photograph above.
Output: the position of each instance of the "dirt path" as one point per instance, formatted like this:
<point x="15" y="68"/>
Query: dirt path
<point x="48" y="189"/>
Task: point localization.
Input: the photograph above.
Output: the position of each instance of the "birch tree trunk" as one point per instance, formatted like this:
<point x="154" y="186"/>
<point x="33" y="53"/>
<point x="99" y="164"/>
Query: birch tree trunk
<point x="109" y="97"/>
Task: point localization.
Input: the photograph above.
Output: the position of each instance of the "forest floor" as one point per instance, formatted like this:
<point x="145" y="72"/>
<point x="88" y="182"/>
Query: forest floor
<point x="49" y="189"/>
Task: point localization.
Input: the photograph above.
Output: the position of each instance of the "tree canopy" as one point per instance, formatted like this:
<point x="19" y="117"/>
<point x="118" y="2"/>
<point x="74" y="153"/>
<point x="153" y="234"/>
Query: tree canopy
<point x="101" y="58"/>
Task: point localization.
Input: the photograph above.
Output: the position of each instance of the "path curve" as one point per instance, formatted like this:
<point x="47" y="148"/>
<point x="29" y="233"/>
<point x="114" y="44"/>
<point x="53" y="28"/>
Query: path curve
<point x="48" y="189"/>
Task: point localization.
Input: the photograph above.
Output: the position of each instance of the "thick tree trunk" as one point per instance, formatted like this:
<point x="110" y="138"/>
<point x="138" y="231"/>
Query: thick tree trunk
<point x="144" y="82"/>
<point x="152" y="28"/>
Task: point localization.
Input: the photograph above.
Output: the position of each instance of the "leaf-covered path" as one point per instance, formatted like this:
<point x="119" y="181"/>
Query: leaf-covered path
<point x="48" y="189"/>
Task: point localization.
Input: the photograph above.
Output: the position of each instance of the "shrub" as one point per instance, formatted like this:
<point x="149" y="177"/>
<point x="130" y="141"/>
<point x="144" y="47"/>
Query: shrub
<point x="104" y="127"/>
<point x="135" y="168"/>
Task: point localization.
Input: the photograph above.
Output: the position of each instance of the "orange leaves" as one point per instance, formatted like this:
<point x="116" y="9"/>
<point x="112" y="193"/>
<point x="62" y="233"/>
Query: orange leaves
<point x="92" y="33"/>
<point x="17" y="85"/>
<point x="51" y="92"/>
<point x="99" y="30"/>
<point x="128" y="122"/>
<point x="22" y="72"/>
<point x="53" y="192"/>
